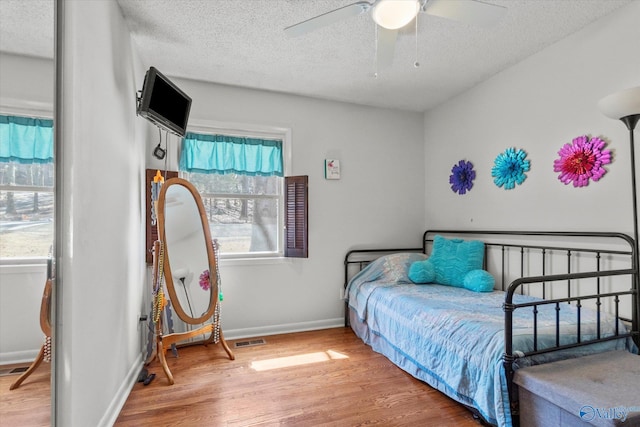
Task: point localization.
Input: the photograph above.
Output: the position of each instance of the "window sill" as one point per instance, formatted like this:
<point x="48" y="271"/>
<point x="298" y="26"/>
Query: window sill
<point x="254" y="261"/>
<point x="12" y="262"/>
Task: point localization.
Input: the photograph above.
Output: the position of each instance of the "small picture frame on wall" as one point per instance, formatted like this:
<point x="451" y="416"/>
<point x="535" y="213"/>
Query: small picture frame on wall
<point x="331" y="169"/>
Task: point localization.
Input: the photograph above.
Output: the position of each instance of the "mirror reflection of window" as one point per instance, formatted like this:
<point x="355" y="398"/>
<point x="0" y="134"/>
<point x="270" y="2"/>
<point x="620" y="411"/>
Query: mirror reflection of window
<point x="26" y="186"/>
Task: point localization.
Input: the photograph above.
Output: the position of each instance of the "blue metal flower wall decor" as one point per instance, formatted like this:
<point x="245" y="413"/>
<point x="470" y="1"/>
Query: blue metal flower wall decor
<point x="462" y="176"/>
<point x="509" y="168"/>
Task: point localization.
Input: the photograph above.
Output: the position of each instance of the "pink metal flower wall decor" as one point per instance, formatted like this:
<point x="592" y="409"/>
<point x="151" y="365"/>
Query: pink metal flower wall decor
<point x="582" y="160"/>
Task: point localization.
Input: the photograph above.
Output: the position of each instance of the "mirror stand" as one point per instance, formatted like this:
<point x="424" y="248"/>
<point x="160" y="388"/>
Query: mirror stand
<point x="164" y="342"/>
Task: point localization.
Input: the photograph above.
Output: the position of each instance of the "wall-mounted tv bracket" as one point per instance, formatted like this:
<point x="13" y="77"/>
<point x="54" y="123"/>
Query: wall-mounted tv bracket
<point x="138" y="101"/>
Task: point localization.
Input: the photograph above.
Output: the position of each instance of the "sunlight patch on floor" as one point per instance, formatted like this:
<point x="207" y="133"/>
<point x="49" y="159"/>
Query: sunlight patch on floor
<point x="301" y="359"/>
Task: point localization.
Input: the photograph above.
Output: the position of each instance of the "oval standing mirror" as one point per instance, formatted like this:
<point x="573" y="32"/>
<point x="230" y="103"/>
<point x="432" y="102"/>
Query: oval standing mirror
<point x="188" y="262"/>
<point x="188" y="252"/>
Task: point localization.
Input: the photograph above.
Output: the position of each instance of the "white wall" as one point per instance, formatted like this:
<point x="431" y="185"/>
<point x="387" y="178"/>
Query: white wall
<point x="377" y="202"/>
<point x="538" y="105"/>
<point x="101" y="248"/>
<point x="26" y="83"/>
<point x="21" y="288"/>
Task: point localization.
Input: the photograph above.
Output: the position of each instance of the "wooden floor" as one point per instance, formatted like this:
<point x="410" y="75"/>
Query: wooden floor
<point x="320" y="378"/>
<point x="30" y="404"/>
<point x="327" y="377"/>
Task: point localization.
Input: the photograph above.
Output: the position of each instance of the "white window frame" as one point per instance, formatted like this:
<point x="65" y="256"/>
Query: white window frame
<point x="252" y="131"/>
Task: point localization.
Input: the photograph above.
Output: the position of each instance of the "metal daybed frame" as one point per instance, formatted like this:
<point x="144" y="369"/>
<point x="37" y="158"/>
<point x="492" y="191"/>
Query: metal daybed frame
<point x="540" y="244"/>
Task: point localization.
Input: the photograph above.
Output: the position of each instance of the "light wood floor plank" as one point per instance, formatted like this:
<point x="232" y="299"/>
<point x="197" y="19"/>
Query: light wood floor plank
<point x="363" y="389"/>
<point x="30" y="404"/>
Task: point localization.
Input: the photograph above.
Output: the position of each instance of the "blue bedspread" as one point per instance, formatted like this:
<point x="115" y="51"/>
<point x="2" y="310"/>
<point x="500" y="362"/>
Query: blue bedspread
<point x="453" y="338"/>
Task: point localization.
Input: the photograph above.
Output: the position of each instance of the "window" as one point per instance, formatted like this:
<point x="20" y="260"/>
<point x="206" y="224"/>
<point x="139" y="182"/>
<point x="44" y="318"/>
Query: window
<point x="243" y="211"/>
<point x="26" y="187"/>
<point x="240" y="176"/>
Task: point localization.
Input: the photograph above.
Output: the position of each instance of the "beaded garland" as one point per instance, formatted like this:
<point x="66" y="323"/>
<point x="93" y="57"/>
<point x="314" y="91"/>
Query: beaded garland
<point x="158" y="292"/>
<point x="47" y="349"/>
<point x="216" y="315"/>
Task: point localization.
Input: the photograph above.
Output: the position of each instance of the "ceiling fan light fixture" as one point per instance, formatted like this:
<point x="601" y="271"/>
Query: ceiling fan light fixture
<point x="394" y="14"/>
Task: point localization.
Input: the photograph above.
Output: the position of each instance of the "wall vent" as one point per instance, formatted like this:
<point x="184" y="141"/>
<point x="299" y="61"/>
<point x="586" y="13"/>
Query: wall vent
<point x="13" y="371"/>
<point x="250" y="343"/>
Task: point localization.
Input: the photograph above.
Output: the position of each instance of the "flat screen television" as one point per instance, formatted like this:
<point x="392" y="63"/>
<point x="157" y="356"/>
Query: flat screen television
<point x="163" y="103"/>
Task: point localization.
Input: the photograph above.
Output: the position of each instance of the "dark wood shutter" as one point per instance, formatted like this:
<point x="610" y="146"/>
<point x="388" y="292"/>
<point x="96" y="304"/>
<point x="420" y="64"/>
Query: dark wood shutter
<point x="296" y="216"/>
<point x="152" y="231"/>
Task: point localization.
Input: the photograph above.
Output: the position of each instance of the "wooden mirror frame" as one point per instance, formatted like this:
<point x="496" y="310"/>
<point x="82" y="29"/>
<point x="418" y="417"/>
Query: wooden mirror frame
<point x="213" y="267"/>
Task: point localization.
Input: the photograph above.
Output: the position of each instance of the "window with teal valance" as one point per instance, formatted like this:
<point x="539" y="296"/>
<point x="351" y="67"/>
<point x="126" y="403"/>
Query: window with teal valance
<point x="26" y="139"/>
<point x="229" y="154"/>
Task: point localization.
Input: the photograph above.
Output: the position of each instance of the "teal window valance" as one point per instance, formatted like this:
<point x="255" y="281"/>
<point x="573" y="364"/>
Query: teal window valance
<point x="26" y="139"/>
<point x="230" y="154"/>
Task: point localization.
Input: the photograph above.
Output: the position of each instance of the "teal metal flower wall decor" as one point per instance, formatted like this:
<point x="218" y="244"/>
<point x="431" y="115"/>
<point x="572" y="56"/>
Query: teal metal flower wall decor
<point x="509" y="168"/>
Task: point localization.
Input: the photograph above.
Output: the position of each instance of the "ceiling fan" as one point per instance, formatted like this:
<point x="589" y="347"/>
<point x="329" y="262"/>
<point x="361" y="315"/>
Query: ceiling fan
<point x="392" y="15"/>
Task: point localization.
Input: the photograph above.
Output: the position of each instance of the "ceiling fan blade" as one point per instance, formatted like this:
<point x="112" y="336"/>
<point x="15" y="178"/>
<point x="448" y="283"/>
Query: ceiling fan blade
<point x="466" y="11"/>
<point x="386" y="47"/>
<point x="328" y="18"/>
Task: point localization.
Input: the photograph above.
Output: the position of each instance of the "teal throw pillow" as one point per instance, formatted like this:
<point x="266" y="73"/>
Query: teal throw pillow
<point x="454" y="258"/>
<point x="479" y="281"/>
<point x="422" y="272"/>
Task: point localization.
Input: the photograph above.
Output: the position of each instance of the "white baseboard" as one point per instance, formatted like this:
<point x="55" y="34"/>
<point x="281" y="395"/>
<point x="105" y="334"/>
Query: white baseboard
<point x="15" y="357"/>
<point x="286" y="328"/>
<point x="117" y="403"/>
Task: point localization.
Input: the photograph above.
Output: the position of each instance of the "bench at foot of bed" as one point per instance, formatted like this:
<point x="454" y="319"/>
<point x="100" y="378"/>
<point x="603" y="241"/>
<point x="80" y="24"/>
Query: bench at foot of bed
<point x="601" y="390"/>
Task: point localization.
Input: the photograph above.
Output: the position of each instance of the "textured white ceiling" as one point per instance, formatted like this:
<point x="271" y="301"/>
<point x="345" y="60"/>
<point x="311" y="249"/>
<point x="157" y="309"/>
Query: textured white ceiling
<point x="26" y="27"/>
<point x="242" y="43"/>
